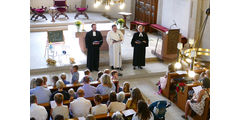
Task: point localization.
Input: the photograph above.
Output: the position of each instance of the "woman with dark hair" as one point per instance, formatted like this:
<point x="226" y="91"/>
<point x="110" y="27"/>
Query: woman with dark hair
<point x="136" y="95"/>
<point x="197" y="102"/>
<point x="143" y="113"/>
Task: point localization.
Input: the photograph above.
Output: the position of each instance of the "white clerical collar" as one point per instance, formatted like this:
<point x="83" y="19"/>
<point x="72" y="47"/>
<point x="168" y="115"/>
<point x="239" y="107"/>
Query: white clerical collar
<point x="140" y="34"/>
<point x="94" y="33"/>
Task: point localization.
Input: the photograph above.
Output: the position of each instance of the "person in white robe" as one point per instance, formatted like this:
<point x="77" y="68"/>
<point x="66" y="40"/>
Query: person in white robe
<point x="114" y="40"/>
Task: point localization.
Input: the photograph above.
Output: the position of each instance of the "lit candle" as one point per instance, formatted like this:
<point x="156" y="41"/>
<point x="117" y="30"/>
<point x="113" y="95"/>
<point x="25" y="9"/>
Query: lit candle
<point x="191" y="41"/>
<point x="193" y="53"/>
<point x="179" y="45"/>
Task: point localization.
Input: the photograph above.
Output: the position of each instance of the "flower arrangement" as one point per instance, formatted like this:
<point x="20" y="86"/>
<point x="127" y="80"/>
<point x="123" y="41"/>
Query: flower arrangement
<point x="180" y="87"/>
<point x="72" y="60"/>
<point x="51" y="61"/>
<point x="120" y="21"/>
<point x="78" y="24"/>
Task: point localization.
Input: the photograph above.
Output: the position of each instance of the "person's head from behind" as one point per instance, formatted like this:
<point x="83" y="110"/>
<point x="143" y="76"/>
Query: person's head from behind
<point x="114" y="74"/>
<point x="86" y="79"/>
<point x="208" y="74"/>
<point x="58" y="98"/>
<point x="142" y="110"/>
<point x="90" y="117"/>
<point x="117" y="116"/>
<point x="94" y="27"/>
<point x="59" y="117"/>
<point x="33" y="99"/>
<point x="54" y="80"/>
<point x="106" y="80"/>
<point x="60" y="84"/>
<point x="87" y="72"/>
<point x="171" y="68"/>
<point x="112" y="96"/>
<point x="196" y="77"/>
<point x="107" y="71"/>
<point x="206" y="83"/>
<point x="33" y="83"/>
<point x="100" y="73"/>
<point x="63" y="76"/>
<point x="120" y="96"/>
<point x="98" y="99"/>
<point x="44" y="80"/>
<point x="136" y="95"/>
<point x="126" y="87"/>
<point x="114" y="28"/>
<point x="39" y="82"/>
<point x="75" y="68"/>
<point x="80" y="93"/>
<point x="71" y="92"/>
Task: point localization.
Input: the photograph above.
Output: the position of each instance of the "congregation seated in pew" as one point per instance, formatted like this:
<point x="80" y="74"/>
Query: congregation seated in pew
<point x="60" y="84"/>
<point x="37" y="112"/>
<point x="136" y="95"/>
<point x="59" y="109"/>
<point x="80" y="107"/>
<point x="89" y="90"/>
<point x="99" y="108"/>
<point x="106" y="86"/>
<point x="113" y="104"/>
<point x="43" y="94"/>
<point x="64" y="77"/>
<point x="197" y="103"/>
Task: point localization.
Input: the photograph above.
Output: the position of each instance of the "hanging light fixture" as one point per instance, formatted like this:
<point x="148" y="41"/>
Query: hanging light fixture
<point x="97" y="3"/>
<point x="122" y="4"/>
<point x="111" y="2"/>
<point x="107" y="6"/>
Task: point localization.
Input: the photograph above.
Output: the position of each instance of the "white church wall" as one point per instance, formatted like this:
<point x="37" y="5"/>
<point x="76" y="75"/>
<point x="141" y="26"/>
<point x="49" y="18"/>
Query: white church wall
<point x="178" y="11"/>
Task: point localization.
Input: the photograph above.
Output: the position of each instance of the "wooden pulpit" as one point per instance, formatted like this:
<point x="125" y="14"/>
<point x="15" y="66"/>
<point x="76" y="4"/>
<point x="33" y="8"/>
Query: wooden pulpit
<point x="167" y="49"/>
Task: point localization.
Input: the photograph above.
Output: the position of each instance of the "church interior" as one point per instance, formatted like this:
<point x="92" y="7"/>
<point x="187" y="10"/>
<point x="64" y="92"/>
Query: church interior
<point x="175" y="77"/>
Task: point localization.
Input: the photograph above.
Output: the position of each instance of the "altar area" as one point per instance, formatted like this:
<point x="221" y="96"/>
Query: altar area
<point x="38" y="46"/>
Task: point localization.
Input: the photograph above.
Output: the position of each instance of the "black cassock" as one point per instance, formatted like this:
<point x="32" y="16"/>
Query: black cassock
<point x="139" y="49"/>
<point x="93" y="50"/>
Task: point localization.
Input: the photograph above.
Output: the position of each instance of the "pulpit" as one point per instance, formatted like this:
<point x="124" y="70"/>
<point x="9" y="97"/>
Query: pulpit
<point x="167" y="49"/>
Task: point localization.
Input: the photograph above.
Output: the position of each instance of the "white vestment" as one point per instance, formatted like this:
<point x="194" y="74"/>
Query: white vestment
<point x="115" y="58"/>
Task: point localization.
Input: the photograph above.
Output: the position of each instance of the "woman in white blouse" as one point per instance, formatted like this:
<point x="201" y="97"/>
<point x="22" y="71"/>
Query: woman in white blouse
<point x="143" y="112"/>
<point x="99" y="108"/>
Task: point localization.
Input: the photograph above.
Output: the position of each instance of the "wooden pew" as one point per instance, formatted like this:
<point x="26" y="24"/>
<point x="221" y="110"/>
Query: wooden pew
<point x="166" y="91"/>
<point x="182" y="97"/>
<point x="206" y="112"/>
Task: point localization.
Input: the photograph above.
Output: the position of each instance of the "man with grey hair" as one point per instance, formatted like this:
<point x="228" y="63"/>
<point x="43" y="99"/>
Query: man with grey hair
<point x="120" y="96"/>
<point x="36" y="111"/>
<point x="117" y="116"/>
<point x="80" y="107"/>
<point x="43" y="94"/>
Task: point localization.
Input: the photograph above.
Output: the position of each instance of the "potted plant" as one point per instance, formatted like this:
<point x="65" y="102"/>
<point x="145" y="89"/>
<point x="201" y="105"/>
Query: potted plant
<point x="78" y="24"/>
<point x="121" y="22"/>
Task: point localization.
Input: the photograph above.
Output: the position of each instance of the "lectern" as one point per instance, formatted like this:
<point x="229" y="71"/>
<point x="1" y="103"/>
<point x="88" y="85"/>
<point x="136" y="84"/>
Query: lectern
<point x="167" y="49"/>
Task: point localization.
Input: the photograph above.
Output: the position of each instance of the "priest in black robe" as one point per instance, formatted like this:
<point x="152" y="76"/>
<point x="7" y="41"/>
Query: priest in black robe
<point x="139" y="42"/>
<point x="93" y="41"/>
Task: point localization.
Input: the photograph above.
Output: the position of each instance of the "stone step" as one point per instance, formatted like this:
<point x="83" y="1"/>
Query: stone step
<point x="44" y="29"/>
<point x="68" y="66"/>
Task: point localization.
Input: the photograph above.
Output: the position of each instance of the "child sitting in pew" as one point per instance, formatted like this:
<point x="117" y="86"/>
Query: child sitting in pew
<point x="163" y="80"/>
<point x="88" y="73"/>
